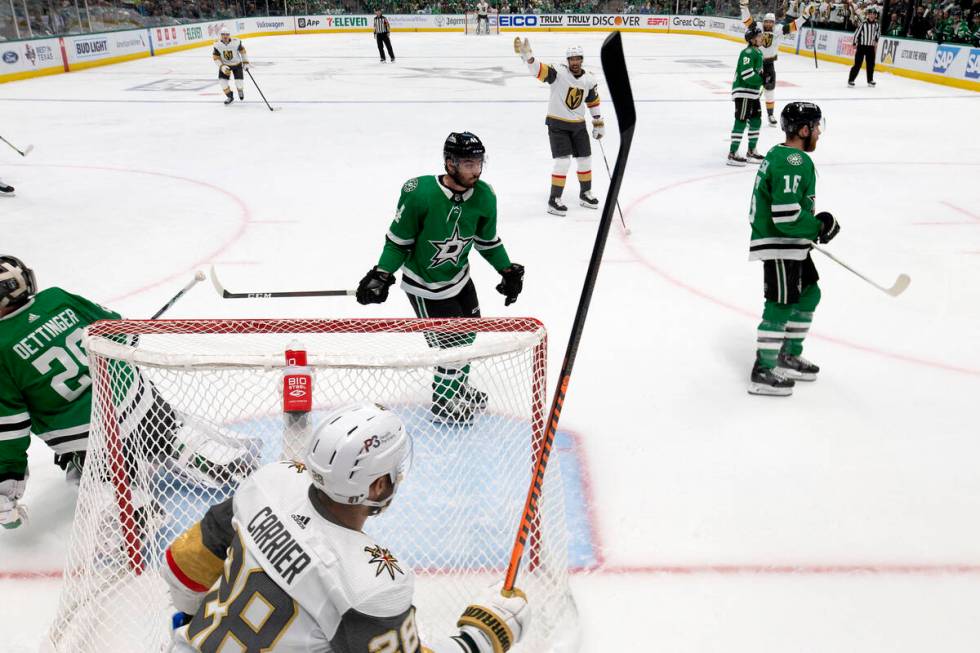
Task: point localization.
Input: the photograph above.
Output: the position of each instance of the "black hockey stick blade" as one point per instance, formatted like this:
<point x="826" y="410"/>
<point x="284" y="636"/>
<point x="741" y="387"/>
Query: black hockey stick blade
<point x="24" y="152"/>
<point x="226" y="294"/>
<point x="617" y="79"/>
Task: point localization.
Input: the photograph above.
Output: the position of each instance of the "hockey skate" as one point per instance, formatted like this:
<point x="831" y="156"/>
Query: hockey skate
<point x="241" y="95"/>
<point x="452" y="411"/>
<point x="769" y="382"/>
<point x="735" y="160"/>
<point x="477" y="399"/>
<point x="850" y="84"/>
<point x="588" y="200"/>
<point x="229" y="98"/>
<point x="555" y="207"/>
<point x="4" y="188"/>
<point x="872" y="84"/>
<point x="754" y="157"/>
<point x="796" y="367"/>
<point x="772" y="120"/>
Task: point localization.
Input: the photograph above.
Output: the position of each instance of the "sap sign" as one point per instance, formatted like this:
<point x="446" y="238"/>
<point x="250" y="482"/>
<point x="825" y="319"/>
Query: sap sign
<point x="506" y="20"/>
<point x="944" y="57"/>
<point x="973" y="65"/>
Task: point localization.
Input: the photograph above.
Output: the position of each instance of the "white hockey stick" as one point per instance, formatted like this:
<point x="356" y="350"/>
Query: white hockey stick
<point x="227" y="294"/>
<point x="24" y="152"/>
<point x="896" y="289"/>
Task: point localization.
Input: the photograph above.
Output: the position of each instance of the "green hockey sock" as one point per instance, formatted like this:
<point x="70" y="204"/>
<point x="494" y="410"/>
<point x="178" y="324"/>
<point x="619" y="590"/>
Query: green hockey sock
<point x="799" y="322"/>
<point x="447" y="382"/>
<point x="772" y="332"/>
<point x="737" y="130"/>
<point x="754" y="125"/>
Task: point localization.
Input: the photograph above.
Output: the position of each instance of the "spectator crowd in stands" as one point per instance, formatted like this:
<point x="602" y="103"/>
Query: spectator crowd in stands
<point x="953" y="21"/>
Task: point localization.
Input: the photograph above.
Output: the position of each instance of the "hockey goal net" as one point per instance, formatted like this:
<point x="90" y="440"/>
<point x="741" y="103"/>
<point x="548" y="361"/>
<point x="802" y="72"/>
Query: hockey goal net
<point x="476" y="26"/>
<point x="184" y="410"/>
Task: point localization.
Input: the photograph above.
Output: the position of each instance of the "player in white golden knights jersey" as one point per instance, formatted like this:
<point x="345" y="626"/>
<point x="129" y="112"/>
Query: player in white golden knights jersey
<point x="771" y="34"/>
<point x="232" y="59"/>
<point x="573" y="89"/>
<point x="284" y="566"/>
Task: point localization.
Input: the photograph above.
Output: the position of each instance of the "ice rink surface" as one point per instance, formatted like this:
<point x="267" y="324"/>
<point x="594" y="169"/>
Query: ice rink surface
<point x="841" y="519"/>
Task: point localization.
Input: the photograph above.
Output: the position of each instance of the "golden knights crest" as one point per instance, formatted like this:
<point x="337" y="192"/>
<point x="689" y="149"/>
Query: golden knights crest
<point x="574" y="97"/>
<point x="385" y="561"/>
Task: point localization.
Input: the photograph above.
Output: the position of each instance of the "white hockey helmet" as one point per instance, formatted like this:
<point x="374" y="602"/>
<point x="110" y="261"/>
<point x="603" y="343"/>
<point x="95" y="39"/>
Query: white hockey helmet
<point x="769" y="17"/>
<point x="574" y="51"/>
<point x="353" y="447"/>
<point x="224" y="32"/>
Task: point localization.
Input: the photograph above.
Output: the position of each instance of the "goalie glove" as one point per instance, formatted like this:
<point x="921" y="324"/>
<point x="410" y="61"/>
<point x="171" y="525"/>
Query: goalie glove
<point x="497" y="622"/>
<point x="598" y="128"/>
<point x="12" y="514"/>
<point x="373" y="288"/>
<point x="225" y="70"/>
<point x="523" y="48"/>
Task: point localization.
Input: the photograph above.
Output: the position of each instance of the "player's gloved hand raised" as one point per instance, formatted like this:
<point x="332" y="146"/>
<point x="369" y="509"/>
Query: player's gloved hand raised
<point x="512" y="282"/>
<point x="523" y="48"/>
<point x="12" y="490"/>
<point x="598" y="128"/>
<point x="829" y="227"/>
<point x="373" y="288"/>
<point x="498" y="620"/>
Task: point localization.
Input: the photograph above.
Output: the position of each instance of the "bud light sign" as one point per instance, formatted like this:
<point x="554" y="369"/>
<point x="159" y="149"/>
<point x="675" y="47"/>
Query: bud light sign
<point x="507" y="20"/>
<point x="944" y="58"/>
<point x="973" y="65"/>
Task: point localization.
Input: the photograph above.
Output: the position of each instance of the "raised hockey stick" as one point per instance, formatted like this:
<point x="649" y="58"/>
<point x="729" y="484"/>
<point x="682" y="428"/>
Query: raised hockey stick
<point x="617" y="78"/>
<point x="265" y="295"/>
<point x="24" y="152"/>
<point x="259" y="89"/>
<point x="814" y="30"/>
<point x="602" y="148"/>
<point x="896" y="289"/>
<point x="198" y="277"/>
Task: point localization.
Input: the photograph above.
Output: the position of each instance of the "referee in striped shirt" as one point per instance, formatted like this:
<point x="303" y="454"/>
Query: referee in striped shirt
<point x="865" y="40"/>
<point x="381" y="30"/>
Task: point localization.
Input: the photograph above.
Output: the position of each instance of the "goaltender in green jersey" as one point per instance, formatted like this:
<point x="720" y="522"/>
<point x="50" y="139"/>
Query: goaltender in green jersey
<point x="784" y="226"/>
<point x="439" y="220"/>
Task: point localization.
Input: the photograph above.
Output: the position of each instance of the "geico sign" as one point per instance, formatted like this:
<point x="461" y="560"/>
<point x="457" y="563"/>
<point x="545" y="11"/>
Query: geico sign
<point x="680" y="21"/>
<point x="517" y="21"/>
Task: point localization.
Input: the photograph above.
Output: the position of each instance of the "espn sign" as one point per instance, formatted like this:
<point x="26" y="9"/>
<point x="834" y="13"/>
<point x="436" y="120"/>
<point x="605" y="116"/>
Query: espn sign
<point x="658" y="21"/>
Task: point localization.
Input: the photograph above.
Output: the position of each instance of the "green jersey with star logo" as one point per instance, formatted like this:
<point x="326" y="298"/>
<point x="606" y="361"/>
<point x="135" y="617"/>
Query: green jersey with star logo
<point x="434" y="231"/>
<point x="783" y="206"/>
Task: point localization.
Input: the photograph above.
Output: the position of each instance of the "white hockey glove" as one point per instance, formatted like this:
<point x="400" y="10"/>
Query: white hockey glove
<point x="598" y="128"/>
<point x="225" y="70"/>
<point x="523" y="48"/>
<point x="245" y="65"/>
<point x="497" y="621"/>
<point x="743" y="3"/>
<point x="12" y="514"/>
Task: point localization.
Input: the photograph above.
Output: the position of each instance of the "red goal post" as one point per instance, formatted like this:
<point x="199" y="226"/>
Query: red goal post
<point x="172" y="398"/>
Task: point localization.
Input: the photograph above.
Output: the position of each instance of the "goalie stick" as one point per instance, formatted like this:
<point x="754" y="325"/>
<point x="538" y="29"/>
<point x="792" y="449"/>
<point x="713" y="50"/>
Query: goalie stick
<point x="896" y="289"/>
<point x="24" y="152"/>
<point x="266" y="295"/>
<point x="617" y="79"/>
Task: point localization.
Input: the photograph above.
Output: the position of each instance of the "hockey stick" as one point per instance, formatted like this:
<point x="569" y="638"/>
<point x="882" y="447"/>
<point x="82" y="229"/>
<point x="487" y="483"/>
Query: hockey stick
<point x="617" y="78"/>
<point x="259" y="89"/>
<point x="608" y="172"/>
<point x="265" y="295"/>
<point x="814" y="30"/>
<point x="896" y="289"/>
<point x="198" y="276"/>
<point x="25" y="152"/>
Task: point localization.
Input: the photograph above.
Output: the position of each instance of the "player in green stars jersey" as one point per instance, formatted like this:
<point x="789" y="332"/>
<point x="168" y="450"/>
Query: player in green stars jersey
<point x="46" y="388"/>
<point x="784" y="224"/>
<point x="746" y="91"/>
<point x="439" y="220"/>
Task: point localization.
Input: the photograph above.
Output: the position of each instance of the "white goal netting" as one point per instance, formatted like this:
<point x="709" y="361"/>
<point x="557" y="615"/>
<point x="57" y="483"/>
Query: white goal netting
<point x="476" y="26"/>
<point x="184" y="410"/>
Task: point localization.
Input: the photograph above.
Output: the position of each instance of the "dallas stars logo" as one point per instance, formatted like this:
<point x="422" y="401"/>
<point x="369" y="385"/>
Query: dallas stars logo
<point x="384" y="560"/>
<point x="450" y="249"/>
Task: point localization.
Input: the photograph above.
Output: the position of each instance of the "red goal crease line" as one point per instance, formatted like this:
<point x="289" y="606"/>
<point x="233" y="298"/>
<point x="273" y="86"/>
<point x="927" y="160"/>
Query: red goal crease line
<point x="953" y="569"/>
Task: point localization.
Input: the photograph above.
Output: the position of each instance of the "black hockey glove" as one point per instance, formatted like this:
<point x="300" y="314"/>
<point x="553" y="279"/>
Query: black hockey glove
<point x="829" y="229"/>
<point x="512" y="282"/>
<point x="373" y="288"/>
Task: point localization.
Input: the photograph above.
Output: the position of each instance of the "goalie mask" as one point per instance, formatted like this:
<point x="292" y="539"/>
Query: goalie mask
<point x="354" y="447"/>
<point x="17" y="282"/>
